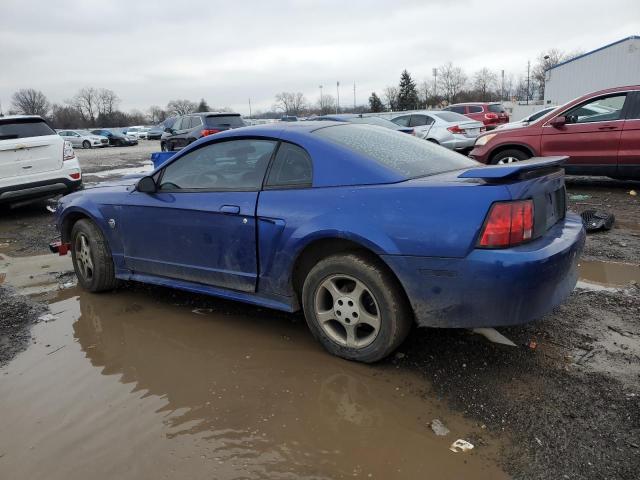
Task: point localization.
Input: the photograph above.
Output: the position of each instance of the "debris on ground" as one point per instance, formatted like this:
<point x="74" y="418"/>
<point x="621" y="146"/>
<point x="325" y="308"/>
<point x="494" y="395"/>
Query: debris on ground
<point x="493" y="336"/>
<point x="595" y="220"/>
<point x="579" y="198"/>
<point x="439" y="428"/>
<point x="461" y="446"/>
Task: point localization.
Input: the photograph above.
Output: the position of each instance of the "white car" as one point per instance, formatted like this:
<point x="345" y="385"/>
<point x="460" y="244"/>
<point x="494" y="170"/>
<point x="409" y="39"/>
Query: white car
<point x="137" y="132"/>
<point x="84" y="138"/>
<point x="532" y="117"/>
<point x="34" y="160"/>
<point x="449" y="129"/>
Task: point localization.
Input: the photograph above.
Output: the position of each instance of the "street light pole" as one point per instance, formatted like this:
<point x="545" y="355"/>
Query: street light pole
<point x="249" y="107"/>
<point x="502" y="87"/>
<point x="435" y="85"/>
<point x="528" y="80"/>
<point x="338" y="97"/>
<point x="321" y="105"/>
<point x="354" y="97"/>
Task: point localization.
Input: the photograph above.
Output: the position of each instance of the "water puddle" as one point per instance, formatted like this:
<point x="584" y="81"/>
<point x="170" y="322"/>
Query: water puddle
<point x="130" y="385"/>
<point x="608" y="274"/>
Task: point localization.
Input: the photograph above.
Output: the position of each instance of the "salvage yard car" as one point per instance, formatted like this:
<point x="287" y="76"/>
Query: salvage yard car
<point x="35" y="162"/>
<point x="189" y="128"/>
<point x="84" y="138"/>
<point x="599" y="132"/>
<point x="365" y="229"/>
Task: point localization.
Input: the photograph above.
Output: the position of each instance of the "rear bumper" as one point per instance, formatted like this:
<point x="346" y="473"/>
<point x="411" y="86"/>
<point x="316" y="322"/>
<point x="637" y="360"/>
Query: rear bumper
<point x="492" y="288"/>
<point x="41" y="189"/>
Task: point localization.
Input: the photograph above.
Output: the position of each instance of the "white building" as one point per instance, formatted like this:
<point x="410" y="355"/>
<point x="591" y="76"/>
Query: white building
<point x="614" y="65"/>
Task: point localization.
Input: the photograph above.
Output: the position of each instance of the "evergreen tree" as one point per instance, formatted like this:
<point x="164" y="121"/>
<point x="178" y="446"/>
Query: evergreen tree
<point x="203" y="107"/>
<point x="375" y="104"/>
<point x="408" y="93"/>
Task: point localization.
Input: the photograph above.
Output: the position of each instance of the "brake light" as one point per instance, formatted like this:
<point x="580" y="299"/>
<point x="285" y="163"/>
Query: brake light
<point x="75" y="175"/>
<point x="209" y="131"/>
<point x="67" y="151"/>
<point x="508" y="224"/>
<point x="455" y="129"/>
<point x="490" y="116"/>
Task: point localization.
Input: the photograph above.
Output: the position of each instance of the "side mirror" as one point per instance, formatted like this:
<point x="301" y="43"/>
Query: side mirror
<point x="168" y="130"/>
<point x="146" y="185"/>
<point x="558" y="121"/>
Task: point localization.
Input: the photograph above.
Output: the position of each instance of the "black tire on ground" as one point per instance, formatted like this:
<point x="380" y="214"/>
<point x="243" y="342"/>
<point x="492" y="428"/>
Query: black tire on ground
<point x="119" y="143"/>
<point x="102" y="272"/>
<point x="394" y="312"/>
<point x="512" y="154"/>
<point x="86" y="144"/>
<point x="164" y="146"/>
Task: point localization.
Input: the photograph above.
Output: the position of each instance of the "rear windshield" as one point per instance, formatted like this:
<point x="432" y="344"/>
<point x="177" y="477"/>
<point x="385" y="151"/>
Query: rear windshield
<point x="24" y="128"/>
<point x="496" y="108"/>
<point x="451" y="117"/>
<point x="232" y="121"/>
<point x="406" y="154"/>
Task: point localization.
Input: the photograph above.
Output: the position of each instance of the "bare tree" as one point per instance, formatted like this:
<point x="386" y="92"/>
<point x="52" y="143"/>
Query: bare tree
<point x="156" y="114"/>
<point x="108" y="101"/>
<point x="28" y="101"/>
<point x="290" y="103"/>
<point x="425" y="92"/>
<point x="484" y="81"/>
<point x="451" y="81"/>
<point x="181" y="107"/>
<point x="327" y="104"/>
<point x="87" y="102"/>
<point x="390" y="95"/>
<point x="546" y="60"/>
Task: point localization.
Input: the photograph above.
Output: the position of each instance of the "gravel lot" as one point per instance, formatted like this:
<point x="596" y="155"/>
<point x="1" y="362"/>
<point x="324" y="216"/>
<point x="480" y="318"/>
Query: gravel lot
<point x="565" y="401"/>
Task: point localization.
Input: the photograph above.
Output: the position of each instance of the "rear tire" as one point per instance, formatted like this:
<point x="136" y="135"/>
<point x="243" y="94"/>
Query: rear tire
<point x="509" y="156"/>
<point x="86" y="144"/>
<point x="164" y="146"/>
<point x="91" y="257"/>
<point x="355" y="308"/>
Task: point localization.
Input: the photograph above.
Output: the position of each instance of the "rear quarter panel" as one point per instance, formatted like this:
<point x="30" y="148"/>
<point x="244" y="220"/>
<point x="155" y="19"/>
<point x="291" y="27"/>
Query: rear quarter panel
<point x="418" y="217"/>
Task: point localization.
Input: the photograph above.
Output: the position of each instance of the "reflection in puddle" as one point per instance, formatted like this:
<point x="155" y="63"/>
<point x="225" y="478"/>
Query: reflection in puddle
<point x="609" y="274"/>
<point x="145" y="389"/>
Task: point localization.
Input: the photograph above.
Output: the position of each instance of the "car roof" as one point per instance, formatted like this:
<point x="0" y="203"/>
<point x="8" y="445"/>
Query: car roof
<point x="21" y="117"/>
<point x="213" y="114"/>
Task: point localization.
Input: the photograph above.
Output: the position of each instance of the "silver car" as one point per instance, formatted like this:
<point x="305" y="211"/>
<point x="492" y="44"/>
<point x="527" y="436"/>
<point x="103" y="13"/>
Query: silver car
<point x="84" y="138"/>
<point x="449" y="129"/>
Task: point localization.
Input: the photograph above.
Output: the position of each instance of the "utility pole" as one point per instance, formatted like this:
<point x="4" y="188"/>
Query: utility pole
<point x="249" y="107"/>
<point x="435" y="84"/>
<point x="528" y="80"/>
<point x="354" y="97"/>
<point x="502" y="87"/>
<point x="338" y="97"/>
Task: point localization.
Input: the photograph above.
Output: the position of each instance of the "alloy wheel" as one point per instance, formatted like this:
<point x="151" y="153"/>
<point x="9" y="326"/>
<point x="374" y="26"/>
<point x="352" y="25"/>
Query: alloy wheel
<point x="83" y="257"/>
<point x="347" y="311"/>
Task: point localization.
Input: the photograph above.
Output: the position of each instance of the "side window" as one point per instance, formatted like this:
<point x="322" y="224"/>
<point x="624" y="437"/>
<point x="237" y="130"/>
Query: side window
<point x="633" y="110"/>
<point x="187" y="123"/>
<point x="457" y="109"/>
<point x="178" y="123"/>
<point x="291" y="167"/>
<point x="402" y="121"/>
<point x="230" y="165"/>
<point x="601" y="109"/>
<point x="196" y="122"/>
<point x="420" y="120"/>
<point x="474" y="109"/>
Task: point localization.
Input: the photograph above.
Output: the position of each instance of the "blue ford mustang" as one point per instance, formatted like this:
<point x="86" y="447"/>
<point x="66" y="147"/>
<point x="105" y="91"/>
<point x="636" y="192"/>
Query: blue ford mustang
<point x="366" y="229"/>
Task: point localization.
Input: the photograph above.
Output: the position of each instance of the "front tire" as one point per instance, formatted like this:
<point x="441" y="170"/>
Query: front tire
<point x="355" y="308"/>
<point x="164" y="146"/>
<point x="91" y="257"/>
<point x="509" y="156"/>
<point x="86" y="144"/>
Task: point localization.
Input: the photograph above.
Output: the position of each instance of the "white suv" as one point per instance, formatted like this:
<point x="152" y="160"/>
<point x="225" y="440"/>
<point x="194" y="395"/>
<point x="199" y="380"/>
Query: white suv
<point x="34" y="160"/>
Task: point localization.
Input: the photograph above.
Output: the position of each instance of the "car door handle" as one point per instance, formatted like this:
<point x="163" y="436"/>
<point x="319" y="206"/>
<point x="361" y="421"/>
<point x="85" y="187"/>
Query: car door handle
<point x="234" y="209"/>
<point x="607" y="127"/>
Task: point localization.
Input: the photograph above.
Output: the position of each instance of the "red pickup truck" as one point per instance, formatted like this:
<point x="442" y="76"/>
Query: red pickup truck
<point x="600" y="132"/>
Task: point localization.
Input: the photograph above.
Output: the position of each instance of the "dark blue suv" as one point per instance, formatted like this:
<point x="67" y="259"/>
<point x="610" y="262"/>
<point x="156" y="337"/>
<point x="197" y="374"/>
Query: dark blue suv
<point x="191" y="127"/>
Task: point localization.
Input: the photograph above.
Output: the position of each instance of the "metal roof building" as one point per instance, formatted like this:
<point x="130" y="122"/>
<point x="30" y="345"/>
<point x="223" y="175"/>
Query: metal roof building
<point x="613" y="65"/>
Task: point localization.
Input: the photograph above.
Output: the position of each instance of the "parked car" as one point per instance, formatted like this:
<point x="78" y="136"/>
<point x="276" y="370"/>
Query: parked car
<point x="34" y="160"/>
<point x="155" y="132"/>
<point x="139" y="132"/>
<point x="189" y="128"/>
<point x="115" y="138"/>
<point x="449" y="129"/>
<point x="491" y="114"/>
<point x="366" y="120"/>
<point x="599" y="132"/>
<point x="363" y="229"/>
<point x="84" y="138"/>
<point x="288" y="118"/>
<point x="526" y="120"/>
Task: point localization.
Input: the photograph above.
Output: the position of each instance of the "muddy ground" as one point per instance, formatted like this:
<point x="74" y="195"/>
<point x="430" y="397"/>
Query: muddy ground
<point x="564" y="403"/>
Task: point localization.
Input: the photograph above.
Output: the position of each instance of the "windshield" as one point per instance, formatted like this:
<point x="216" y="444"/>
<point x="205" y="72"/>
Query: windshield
<point x="405" y="154"/>
<point x="24" y="128"/>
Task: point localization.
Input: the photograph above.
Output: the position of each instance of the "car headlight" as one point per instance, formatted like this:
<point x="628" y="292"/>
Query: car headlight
<point x="483" y="140"/>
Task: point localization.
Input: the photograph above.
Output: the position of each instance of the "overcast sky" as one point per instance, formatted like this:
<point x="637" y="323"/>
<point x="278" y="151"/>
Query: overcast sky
<point x="149" y="52"/>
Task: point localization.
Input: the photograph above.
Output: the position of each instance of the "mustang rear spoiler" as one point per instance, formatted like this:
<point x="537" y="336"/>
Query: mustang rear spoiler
<point x="510" y="170"/>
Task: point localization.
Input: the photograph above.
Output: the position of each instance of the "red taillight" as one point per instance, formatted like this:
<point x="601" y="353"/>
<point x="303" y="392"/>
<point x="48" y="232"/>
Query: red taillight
<point x="209" y="131"/>
<point x="491" y="116"/>
<point x="75" y="176"/>
<point x="455" y="129"/>
<point x="508" y="224"/>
